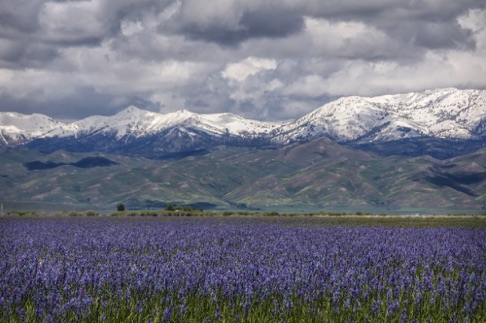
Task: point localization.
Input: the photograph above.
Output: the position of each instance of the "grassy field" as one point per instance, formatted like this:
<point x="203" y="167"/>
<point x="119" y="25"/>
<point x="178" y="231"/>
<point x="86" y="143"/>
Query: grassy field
<point x="313" y="219"/>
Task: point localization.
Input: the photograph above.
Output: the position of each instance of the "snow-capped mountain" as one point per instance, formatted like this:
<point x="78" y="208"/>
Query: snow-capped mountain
<point x="444" y="114"/>
<point x="134" y="122"/>
<point x="17" y="128"/>
<point x="441" y="115"/>
<point x="139" y="132"/>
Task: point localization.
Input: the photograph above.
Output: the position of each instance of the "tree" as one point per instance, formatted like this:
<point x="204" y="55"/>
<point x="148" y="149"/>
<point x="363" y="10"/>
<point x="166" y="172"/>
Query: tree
<point x="170" y="207"/>
<point x="120" y="207"/>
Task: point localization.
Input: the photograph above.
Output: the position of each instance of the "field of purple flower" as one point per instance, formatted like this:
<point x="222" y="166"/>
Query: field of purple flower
<point x="217" y="269"/>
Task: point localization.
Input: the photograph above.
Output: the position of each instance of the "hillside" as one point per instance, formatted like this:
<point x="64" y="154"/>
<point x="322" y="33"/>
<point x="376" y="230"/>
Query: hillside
<point x="314" y="175"/>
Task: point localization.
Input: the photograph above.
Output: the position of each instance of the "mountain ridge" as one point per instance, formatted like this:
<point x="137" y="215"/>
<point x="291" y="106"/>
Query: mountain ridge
<point x="428" y="113"/>
<point x="436" y="117"/>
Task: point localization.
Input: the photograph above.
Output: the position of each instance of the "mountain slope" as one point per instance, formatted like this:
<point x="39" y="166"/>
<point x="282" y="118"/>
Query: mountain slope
<point x="314" y="175"/>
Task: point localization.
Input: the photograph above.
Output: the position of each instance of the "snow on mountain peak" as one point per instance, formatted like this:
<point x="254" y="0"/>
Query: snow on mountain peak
<point x="16" y="127"/>
<point x="135" y="122"/>
<point x="442" y="113"/>
<point x="130" y="111"/>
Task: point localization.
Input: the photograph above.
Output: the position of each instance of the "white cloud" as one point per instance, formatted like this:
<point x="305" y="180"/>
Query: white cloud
<point x="171" y="11"/>
<point x="309" y="86"/>
<point x="109" y="71"/>
<point x="40" y="84"/>
<point x="349" y="39"/>
<point x="249" y="81"/>
<point x="130" y="28"/>
<point x="247" y="67"/>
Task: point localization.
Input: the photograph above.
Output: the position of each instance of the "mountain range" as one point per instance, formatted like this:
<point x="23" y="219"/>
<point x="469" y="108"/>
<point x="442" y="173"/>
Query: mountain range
<point x="442" y="123"/>
<point x="417" y="152"/>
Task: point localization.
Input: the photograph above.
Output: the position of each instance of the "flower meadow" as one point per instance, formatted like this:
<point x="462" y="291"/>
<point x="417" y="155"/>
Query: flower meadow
<point x="232" y="269"/>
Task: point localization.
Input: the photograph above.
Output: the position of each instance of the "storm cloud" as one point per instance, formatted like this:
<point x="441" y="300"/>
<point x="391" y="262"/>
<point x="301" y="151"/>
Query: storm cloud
<point x="263" y="59"/>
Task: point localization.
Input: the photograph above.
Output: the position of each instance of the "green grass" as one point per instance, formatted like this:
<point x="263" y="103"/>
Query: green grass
<point x="314" y="219"/>
<point x="135" y="306"/>
<point x="302" y="177"/>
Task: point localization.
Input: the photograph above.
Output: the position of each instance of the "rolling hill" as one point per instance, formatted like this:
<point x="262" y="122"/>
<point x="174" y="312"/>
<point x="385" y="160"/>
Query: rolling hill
<point x="315" y="175"/>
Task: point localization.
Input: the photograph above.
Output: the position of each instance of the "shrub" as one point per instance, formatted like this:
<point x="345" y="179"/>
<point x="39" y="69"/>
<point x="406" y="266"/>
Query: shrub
<point x="120" y="207"/>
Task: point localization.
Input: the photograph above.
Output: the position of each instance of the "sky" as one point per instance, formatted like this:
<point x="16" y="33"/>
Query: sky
<point x="262" y="59"/>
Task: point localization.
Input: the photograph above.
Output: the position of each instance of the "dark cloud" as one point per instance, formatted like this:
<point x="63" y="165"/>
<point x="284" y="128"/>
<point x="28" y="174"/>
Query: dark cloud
<point x="442" y="35"/>
<point x="84" y="102"/>
<point x="25" y="55"/>
<point x="260" y="23"/>
<point x="19" y="17"/>
<point x="388" y="11"/>
<point x="426" y="24"/>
